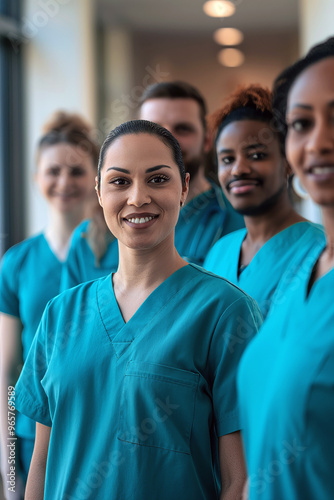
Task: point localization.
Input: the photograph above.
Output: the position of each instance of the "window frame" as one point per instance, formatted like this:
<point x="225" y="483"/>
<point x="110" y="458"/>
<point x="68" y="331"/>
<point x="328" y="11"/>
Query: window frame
<point x="11" y="118"/>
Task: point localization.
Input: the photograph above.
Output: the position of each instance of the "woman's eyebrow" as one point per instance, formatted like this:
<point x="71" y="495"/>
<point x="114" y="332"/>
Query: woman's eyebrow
<point x="119" y="170"/>
<point x="157" y="167"/>
<point x="125" y="171"/>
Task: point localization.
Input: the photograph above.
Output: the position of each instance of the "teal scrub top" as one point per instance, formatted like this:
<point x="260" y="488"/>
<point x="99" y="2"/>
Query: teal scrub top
<point x="286" y="392"/>
<point x="29" y="278"/>
<point x="136" y="407"/>
<point x="81" y="264"/>
<point x="204" y="220"/>
<point x="262" y="275"/>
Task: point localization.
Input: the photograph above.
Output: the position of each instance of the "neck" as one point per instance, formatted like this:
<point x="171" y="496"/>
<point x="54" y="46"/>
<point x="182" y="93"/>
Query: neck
<point x="146" y="269"/>
<point x="262" y="227"/>
<point x="198" y="184"/>
<point x="328" y="221"/>
<point x="59" y="231"/>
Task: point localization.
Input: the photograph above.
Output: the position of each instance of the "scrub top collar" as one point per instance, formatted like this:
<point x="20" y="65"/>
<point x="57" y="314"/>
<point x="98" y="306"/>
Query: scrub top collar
<point x="122" y="334"/>
<point x="276" y="243"/>
<point x="203" y="199"/>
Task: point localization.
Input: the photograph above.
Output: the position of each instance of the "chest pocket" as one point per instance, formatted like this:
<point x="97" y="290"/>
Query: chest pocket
<point x="157" y="406"/>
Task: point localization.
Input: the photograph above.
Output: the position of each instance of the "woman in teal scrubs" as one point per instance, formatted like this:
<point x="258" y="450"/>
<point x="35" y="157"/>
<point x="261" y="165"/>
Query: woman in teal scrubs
<point x="286" y="377"/>
<point x="31" y="270"/>
<point x="254" y="175"/>
<point x="131" y="377"/>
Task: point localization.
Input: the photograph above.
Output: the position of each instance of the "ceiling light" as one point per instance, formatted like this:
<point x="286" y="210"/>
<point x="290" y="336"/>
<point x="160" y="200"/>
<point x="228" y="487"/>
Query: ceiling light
<point x="231" y="57"/>
<point x="228" y="36"/>
<point x="219" y="8"/>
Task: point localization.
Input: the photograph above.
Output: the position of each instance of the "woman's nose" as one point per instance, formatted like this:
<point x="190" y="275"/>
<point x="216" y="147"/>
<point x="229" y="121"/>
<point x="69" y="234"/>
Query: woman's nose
<point x="138" y="195"/>
<point x="63" y="178"/>
<point x="321" y="138"/>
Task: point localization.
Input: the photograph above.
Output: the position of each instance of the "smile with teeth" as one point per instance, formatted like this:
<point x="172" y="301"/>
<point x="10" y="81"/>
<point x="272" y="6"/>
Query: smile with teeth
<point x="140" y="220"/>
<point x="325" y="169"/>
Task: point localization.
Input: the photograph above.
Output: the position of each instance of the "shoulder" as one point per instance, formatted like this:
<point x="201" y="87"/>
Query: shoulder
<point x="224" y="244"/>
<point x="77" y="295"/>
<point x="230" y="239"/>
<point x="315" y="229"/>
<point x="218" y="287"/>
<point x="17" y="253"/>
<point x="81" y="228"/>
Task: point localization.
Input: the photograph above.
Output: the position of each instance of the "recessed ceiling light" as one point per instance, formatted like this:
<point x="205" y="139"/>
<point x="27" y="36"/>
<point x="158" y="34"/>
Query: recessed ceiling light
<point x="231" y="57"/>
<point x="219" y="8"/>
<point x="228" y="36"/>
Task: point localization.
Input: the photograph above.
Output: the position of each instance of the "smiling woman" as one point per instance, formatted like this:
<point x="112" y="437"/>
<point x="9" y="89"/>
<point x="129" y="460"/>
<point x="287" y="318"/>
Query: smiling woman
<point x="254" y="174"/>
<point x="142" y="177"/>
<point x="156" y="352"/>
<point x="30" y="271"/>
<point x="286" y="378"/>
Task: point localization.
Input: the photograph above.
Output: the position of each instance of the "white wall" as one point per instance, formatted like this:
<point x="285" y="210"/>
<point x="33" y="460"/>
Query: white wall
<point x="59" y="59"/>
<point x="317" y="22"/>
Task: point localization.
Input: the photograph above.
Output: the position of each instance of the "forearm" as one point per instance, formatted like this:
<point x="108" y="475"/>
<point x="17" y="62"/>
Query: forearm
<point x="233" y="491"/>
<point x="36" y="476"/>
<point x="36" y="481"/>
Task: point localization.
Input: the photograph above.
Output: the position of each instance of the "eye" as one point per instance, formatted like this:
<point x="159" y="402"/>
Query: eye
<point x="299" y="125"/>
<point x="119" y="181"/>
<point x="226" y="161"/>
<point x="54" y="171"/>
<point x="184" y="129"/>
<point x="77" y="172"/>
<point x="159" y="179"/>
<point x="258" y="156"/>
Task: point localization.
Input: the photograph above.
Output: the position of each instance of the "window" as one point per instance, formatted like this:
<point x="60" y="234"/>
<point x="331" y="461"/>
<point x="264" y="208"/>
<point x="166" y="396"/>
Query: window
<point x="11" y="140"/>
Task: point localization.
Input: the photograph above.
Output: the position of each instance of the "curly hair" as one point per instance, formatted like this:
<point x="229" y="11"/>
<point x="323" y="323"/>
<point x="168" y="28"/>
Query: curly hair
<point x="285" y="80"/>
<point x="247" y="102"/>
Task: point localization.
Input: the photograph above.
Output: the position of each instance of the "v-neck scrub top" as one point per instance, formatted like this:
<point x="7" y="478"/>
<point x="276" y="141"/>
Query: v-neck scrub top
<point x="261" y="276"/>
<point x="29" y="278"/>
<point x="286" y="390"/>
<point x="136" y="407"/>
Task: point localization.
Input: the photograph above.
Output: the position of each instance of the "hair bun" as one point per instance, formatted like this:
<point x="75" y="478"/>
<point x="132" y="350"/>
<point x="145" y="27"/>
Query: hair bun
<point x="61" y="121"/>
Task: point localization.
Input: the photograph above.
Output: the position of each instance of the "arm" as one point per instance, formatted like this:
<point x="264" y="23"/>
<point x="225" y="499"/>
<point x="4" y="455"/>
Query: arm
<point x="10" y="364"/>
<point x="36" y="477"/>
<point x="232" y="466"/>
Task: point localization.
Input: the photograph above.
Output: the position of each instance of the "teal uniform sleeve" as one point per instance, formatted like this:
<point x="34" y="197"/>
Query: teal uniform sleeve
<point x="9" y="295"/>
<point x="234" y="330"/>
<point x="30" y="397"/>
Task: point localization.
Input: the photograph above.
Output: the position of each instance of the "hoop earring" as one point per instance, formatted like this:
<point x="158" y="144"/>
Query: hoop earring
<point x="299" y="188"/>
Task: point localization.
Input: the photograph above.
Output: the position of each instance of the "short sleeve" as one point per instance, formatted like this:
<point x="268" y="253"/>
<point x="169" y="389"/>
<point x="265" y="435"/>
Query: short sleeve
<point x="30" y="397"/>
<point x="9" y="277"/>
<point x="235" y="329"/>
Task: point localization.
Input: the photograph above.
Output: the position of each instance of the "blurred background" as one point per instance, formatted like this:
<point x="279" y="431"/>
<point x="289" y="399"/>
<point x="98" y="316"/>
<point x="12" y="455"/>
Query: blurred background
<point x="96" y="57"/>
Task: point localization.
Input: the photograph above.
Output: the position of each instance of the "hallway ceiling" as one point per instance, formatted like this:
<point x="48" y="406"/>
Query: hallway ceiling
<point x="188" y="16"/>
